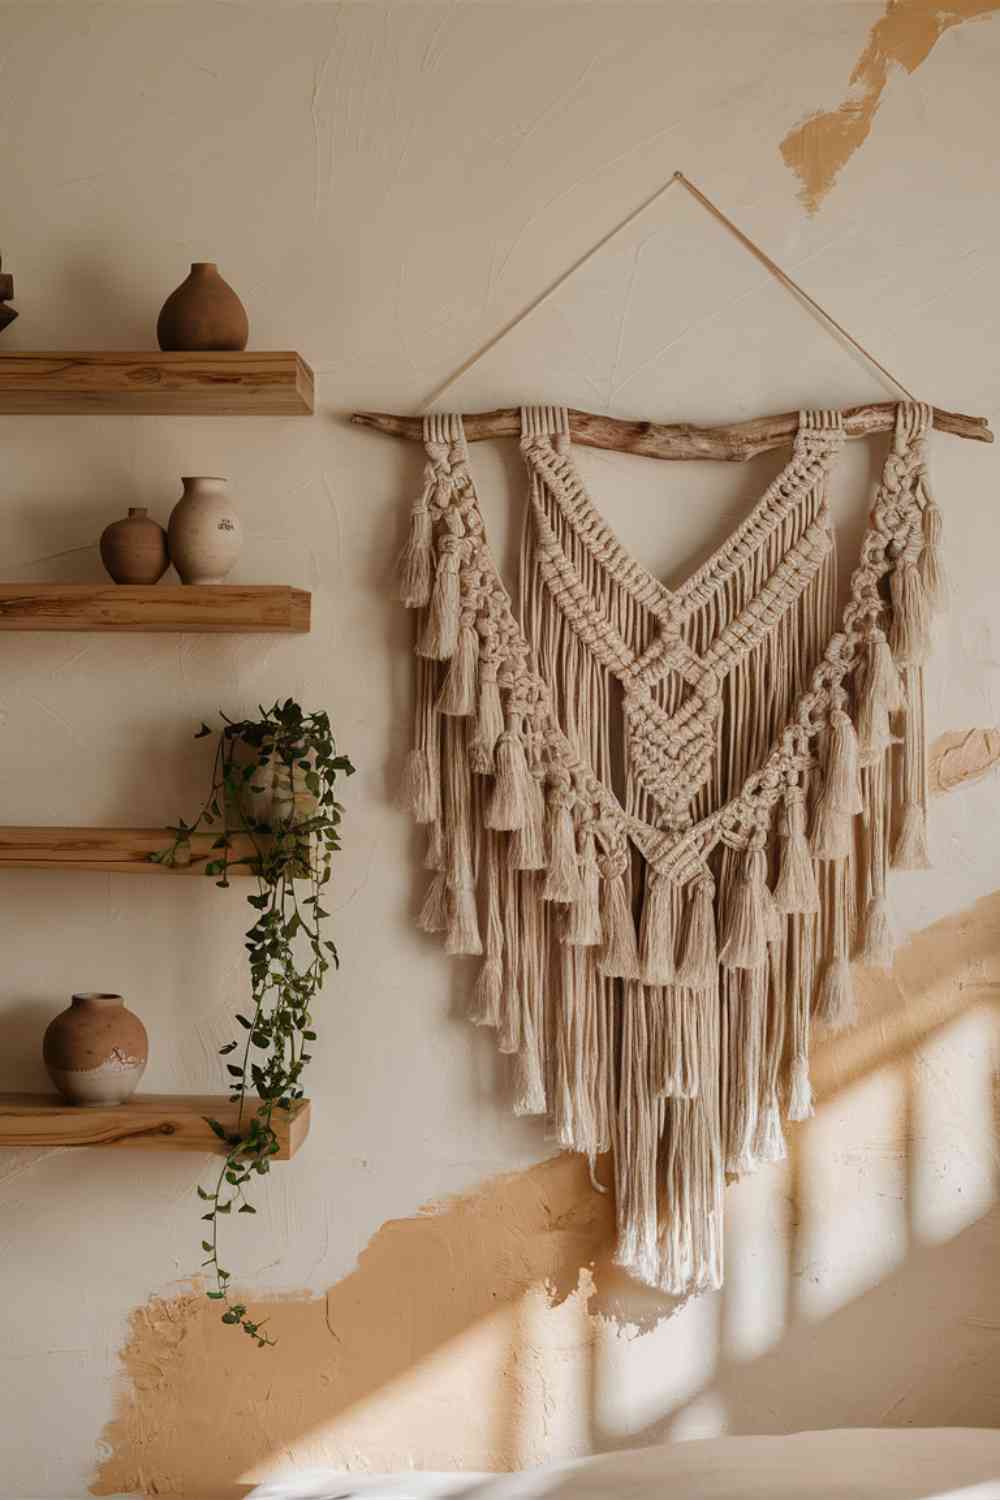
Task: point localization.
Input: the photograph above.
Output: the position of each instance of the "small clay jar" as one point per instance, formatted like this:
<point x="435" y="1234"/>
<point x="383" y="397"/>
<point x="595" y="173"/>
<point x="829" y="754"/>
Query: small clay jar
<point x="135" y="550"/>
<point x="203" y="313"/>
<point x="204" y="534"/>
<point x="96" y="1050"/>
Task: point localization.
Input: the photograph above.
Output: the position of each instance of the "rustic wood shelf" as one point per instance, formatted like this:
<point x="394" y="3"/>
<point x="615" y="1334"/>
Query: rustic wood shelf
<point x="150" y="383"/>
<point x="170" y="1122"/>
<point x="122" y="850"/>
<point x="237" y="609"/>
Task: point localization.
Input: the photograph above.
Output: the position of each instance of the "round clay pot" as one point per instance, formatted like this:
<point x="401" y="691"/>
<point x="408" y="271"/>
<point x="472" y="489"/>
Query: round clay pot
<point x="204" y="534"/>
<point x="96" y="1050"/>
<point x="135" y="550"/>
<point x="203" y="313"/>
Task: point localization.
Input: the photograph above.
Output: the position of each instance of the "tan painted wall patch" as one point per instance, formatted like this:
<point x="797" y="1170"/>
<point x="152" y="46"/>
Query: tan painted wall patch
<point x="821" y="145"/>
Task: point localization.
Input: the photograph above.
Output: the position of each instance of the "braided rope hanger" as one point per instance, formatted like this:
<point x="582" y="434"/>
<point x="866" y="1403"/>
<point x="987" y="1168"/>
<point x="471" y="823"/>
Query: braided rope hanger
<point x="736" y="442"/>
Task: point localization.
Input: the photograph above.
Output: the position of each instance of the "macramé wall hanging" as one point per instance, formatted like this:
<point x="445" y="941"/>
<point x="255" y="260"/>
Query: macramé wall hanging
<point x="665" y="817"/>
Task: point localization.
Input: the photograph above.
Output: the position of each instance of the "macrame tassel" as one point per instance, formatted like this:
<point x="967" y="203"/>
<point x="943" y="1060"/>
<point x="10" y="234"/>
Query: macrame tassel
<point x="881" y="694"/>
<point x="800" y="1098"/>
<point x="434" y="858"/>
<point x="439" y="640"/>
<point x="910" y="849"/>
<point x="509" y="804"/>
<point x="620" y="959"/>
<point x="562" y="883"/>
<point x="796" y="891"/>
<point x="463" y="925"/>
<point x="843" y="782"/>
<point x="418" y="791"/>
<point x="529" y="1086"/>
<point x="414" y="568"/>
<point x="527" y="847"/>
<point x="837" y="1006"/>
<point x="656" y="931"/>
<point x="746" y="927"/>
<point x="458" y="695"/>
<point x="484" y="1007"/>
<point x="583" y="924"/>
<point x="699" y="965"/>
<point x="490" y="720"/>
<point x="832" y="831"/>
<point x="434" y="912"/>
<point x="932" y="571"/>
<point x="877" y="944"/>
<point x="769" y="1138"/>
<point x="911" y="623"/>
<point x="774" y="920"/>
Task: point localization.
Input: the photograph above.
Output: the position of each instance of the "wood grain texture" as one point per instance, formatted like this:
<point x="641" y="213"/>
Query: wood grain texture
<point x="171" y="1122"/>
<point x="678" y="440"/>
<point x="198" y="608"/>
<point x="249" y="383"/>
<point x="122" y="850"/>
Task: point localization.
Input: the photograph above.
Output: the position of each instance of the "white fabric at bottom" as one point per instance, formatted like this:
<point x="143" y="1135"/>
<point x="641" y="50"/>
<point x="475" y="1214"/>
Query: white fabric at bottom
<point x="945" y="1463"/>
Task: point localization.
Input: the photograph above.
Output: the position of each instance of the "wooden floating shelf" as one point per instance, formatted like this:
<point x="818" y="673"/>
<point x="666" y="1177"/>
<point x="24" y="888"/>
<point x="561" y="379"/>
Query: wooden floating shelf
<point x="170" y="1122"/>
<point x="122" y="850"/>
<point x="215" y="609"/>
<point x="151" y="383"/>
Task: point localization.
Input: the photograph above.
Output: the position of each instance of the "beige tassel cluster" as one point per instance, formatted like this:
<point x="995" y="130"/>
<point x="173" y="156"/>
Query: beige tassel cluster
<point x="656" y="998"/>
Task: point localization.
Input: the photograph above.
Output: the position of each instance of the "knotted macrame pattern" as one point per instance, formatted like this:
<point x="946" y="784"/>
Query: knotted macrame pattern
<point x="664" y="818"/>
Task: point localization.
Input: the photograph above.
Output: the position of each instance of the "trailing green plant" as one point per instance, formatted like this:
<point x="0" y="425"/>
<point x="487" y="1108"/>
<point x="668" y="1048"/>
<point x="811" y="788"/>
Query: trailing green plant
<point x="288" y="954"/>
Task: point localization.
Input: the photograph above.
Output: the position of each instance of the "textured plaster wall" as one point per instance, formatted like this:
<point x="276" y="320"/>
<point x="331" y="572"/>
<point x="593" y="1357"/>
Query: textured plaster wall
<point x="387" y="185"/>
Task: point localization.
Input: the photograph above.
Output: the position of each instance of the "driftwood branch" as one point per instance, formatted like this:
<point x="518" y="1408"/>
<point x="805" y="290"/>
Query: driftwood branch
<point x="736" y="442"/>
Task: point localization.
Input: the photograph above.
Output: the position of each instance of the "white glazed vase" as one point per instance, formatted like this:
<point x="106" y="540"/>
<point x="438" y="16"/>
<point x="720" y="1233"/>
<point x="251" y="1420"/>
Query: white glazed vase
<point x="204" y="536"/>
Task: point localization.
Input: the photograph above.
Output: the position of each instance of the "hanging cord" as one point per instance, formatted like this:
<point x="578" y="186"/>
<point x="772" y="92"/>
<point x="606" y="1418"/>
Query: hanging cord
<point x="744" y="239"/>
<point x="788" y="282"/>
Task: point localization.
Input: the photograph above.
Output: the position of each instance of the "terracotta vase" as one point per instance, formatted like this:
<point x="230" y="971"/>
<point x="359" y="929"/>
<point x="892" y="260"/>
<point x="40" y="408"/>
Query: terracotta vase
<point x="96" y="1050"/>
<point x="135" y="550"/>
<point x="203" y="313"/>
<point x="204" y="535"/>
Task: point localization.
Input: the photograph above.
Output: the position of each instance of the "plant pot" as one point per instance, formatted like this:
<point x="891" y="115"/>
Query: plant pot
<point x="204" y="535"/>
<point x="291" y="800"/>
<point x="135" y="550"/>
<point x="253" y="802"/>
<point x="204" y="313"/>
<point x="96" y="1050"/>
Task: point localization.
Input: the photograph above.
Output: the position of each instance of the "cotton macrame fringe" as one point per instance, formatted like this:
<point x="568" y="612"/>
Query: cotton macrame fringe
<point x="664" y="820"/>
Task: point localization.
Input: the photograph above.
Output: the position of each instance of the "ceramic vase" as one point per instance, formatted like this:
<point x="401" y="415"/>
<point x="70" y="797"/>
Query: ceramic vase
<point x="96" y="1050"/>
<point x="204" y="535"/>
<point x="204" y="313"/>
<point x="135" y="550"/>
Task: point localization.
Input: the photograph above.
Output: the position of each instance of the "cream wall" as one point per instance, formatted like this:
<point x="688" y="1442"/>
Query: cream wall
<point x="386" y="185"/>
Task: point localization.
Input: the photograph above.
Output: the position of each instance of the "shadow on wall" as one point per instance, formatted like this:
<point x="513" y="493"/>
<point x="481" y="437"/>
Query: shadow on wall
<point x="472" y="1333"/>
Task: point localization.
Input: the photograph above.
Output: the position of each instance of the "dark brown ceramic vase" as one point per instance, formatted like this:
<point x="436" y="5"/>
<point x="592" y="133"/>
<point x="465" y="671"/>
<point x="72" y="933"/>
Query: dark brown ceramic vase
<point x="96" y="1050"/>
<point x="204" y="313"/>
<point x="135" y="550"/>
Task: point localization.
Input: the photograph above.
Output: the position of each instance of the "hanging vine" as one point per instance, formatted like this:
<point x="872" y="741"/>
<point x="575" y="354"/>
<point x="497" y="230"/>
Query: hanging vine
<point x="273" y="779"/>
